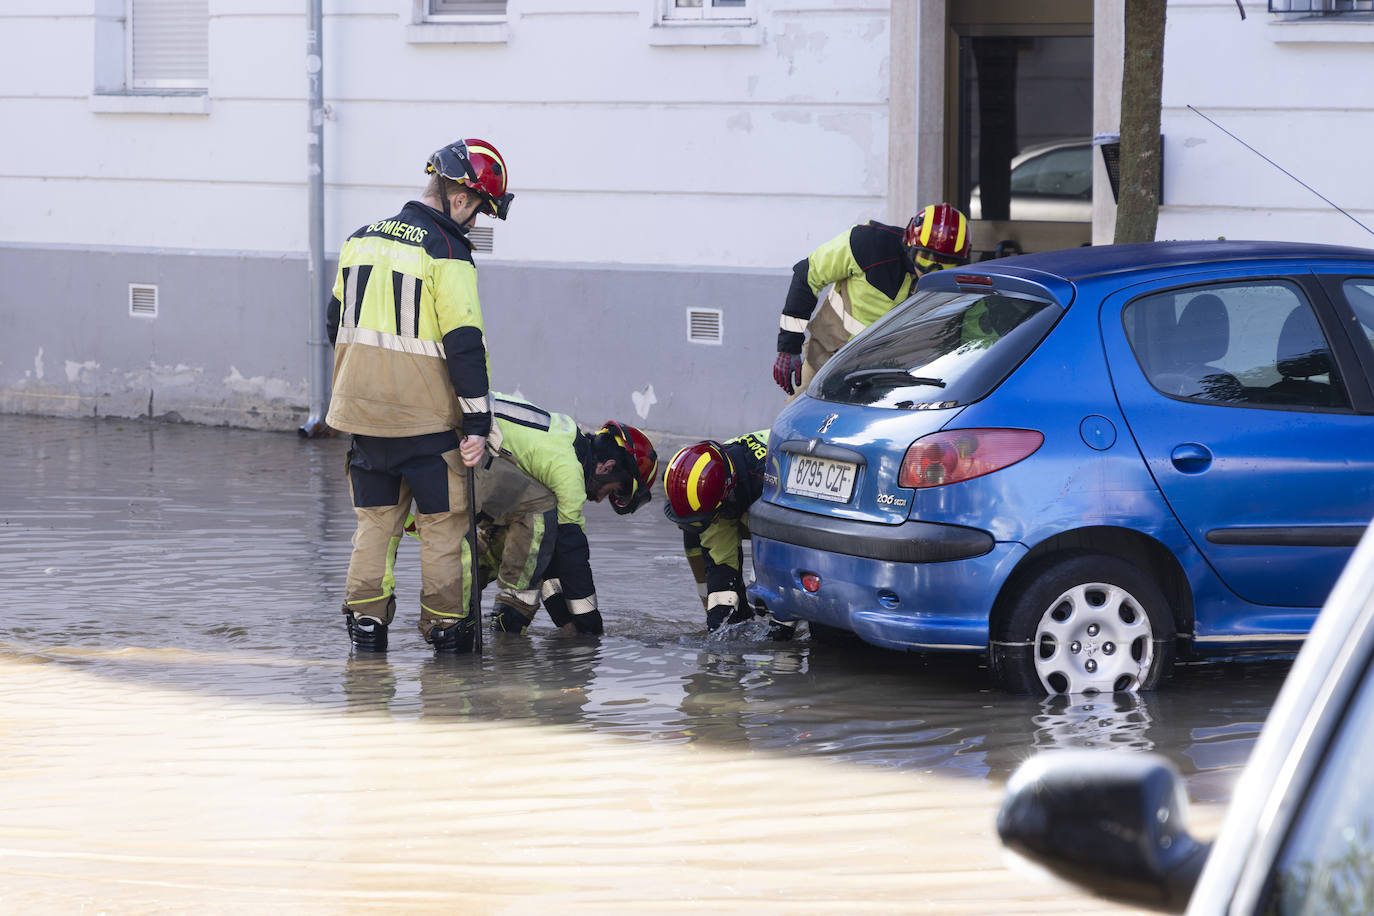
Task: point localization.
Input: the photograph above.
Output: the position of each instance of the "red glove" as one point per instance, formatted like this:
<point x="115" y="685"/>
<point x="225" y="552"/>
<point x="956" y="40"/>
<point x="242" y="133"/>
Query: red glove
<point x="787" y="371"/>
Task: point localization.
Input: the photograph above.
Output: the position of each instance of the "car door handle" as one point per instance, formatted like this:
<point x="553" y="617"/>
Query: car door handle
<point x="1191" y="458"/>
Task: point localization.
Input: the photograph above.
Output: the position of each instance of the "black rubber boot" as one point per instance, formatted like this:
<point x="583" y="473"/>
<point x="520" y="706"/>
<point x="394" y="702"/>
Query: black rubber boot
<point x="780" y="631"/>
<point x="589" y="624"/>
<point x="457" y="638"/>
<point x="716" y="616"/>
<point x="367" y="633"/>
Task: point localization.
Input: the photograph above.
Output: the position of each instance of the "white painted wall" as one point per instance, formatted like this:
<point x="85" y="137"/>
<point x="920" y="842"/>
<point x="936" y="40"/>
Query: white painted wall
<point x="1299" y="92"/>
<point x="654" y="175"/>
<point x="620" y="148"/>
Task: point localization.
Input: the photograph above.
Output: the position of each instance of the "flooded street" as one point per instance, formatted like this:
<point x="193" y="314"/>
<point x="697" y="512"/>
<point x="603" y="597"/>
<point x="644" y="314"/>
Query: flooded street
<point x="185" y="727"/>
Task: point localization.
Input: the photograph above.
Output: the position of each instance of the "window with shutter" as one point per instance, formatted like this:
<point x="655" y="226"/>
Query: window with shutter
<point x="168" y="44"/>
<point x="458" y="8"/>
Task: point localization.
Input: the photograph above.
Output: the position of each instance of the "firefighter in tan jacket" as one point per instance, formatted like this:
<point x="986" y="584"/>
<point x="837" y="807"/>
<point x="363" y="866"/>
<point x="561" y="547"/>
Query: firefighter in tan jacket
<point x="411" y="385"/>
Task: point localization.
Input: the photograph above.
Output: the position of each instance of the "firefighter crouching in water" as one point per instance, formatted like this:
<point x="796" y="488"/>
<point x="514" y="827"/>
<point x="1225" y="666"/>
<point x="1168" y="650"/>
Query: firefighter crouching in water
<point x="873" y="267"/>
<point x="410" y="376"/>
<point x="709" y="487"/>
<point x="617" y="462"/>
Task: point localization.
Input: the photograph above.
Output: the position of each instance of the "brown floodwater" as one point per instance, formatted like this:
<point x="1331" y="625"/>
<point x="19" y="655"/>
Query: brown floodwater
<point x="186" y="727"/>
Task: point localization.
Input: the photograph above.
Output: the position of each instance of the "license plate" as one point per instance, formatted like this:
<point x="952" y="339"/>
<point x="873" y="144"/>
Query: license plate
<point x="821" y="478"/>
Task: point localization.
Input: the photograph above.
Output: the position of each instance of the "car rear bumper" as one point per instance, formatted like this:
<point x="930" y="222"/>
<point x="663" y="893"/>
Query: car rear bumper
<point x="909" y="542"/>
<point x="940" y="606"/>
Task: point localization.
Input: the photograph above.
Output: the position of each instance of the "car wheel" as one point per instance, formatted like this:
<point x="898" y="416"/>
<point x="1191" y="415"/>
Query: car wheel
<point x="1086" y="623"/>
<point x="832" y="636"/>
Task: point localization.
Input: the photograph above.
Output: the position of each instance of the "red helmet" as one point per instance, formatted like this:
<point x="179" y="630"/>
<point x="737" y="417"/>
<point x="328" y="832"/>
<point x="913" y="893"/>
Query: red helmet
<point x="938" y="237"/>
<point x="697" y="482"/>
<point x="645" y="460"/>
<point x="476" y="164"/>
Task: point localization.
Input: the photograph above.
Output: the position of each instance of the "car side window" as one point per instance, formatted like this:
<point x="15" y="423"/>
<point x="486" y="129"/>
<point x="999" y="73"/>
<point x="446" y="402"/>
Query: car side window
<point x="1359" y="292"/>
<point x="1251" y="343"/>
<point x="1327" y="862"/>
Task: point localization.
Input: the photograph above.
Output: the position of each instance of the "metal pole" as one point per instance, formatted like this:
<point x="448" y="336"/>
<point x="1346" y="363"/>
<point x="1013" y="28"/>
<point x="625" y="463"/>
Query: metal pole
<point x="319" y="352"/>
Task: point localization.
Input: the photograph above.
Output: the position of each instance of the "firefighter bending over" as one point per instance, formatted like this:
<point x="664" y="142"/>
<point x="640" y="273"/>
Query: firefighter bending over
<point x="617" y="462"/>
<point x="872" y="268"/>
<point x="709" y="488"/>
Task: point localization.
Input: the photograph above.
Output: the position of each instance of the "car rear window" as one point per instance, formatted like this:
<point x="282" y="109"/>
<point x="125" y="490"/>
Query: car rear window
<point x="940" y="348"/>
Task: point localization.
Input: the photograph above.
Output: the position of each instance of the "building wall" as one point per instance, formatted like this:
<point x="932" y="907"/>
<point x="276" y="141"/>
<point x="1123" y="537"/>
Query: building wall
<point x="653" y="172"/>
<point x="656" y="170"/>
<point x="597" y="341"/>
<point x="1298" y="91"/>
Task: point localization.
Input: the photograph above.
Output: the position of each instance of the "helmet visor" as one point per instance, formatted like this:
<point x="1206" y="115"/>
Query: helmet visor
<point x="696" y="523"/>
<point x="500" y="206"/>
<point x="624" y="502"/>
<point x="927" y="261"/>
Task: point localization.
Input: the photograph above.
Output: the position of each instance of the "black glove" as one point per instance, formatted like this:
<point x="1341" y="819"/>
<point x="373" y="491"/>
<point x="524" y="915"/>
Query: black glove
<point x="507" y="619"/>
<point x="787" y="371"/>
<point x="589" y="624"/>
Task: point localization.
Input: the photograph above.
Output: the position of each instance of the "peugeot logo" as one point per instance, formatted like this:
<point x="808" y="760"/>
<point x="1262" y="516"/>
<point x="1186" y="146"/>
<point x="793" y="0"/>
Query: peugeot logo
<point x="830" y="418"/>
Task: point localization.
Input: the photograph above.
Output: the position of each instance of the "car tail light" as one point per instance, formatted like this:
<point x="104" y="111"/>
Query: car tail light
<point x="811" y="582"/>
<point x="962" y="454"/>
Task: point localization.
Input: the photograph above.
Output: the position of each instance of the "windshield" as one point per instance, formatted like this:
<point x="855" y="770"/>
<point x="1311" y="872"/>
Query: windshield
<point x="938" y="349"/>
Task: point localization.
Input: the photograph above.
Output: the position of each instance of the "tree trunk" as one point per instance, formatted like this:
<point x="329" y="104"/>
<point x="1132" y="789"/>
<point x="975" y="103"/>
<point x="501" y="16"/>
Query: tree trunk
<point x="1137" y="209"/>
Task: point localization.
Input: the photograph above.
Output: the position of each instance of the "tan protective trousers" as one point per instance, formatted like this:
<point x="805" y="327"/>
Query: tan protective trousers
<point x="522" y="515"/>
<point x="445" y="557"/>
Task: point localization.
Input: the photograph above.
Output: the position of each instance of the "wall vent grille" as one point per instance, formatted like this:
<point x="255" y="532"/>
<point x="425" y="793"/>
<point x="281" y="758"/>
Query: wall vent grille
<point x="143" y="300"/>
<point x="481" y="237"/>
<point x="704" y="326"/>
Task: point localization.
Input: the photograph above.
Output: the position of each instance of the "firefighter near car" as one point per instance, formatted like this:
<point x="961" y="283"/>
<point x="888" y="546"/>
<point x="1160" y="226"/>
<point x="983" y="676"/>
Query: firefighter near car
<point x="869" y="269"/>
<point x="557" y="460"/>
<point x="411" y="385"/>
<point x="709" y="487"/>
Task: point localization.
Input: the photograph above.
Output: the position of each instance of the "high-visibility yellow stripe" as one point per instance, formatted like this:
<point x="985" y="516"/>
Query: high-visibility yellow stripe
<point x="694" y="478"/>
<point x="927" y="224"/>
<point x="963" y="230"/>
<point x="532" y="557"/>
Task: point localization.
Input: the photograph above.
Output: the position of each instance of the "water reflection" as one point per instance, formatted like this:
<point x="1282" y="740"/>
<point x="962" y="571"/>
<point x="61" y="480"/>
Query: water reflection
<point x="211" y="561"/>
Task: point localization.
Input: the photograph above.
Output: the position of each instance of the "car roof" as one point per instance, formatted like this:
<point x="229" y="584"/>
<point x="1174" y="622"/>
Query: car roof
<point x="1074" y="264"/>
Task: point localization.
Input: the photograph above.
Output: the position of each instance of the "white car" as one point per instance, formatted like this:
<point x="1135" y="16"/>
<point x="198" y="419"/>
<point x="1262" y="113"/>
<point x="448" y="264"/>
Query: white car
<point x="1049" y="181"/>
<point x="1299" y="834"/>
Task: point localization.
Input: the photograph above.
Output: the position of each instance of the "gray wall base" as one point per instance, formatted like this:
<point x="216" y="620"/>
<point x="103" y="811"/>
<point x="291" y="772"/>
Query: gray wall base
<point x="229" y="343"/>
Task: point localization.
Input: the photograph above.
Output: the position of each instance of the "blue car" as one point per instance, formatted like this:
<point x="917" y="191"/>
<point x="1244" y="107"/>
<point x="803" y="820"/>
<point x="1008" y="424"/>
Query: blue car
<point x="1085" y="464"/>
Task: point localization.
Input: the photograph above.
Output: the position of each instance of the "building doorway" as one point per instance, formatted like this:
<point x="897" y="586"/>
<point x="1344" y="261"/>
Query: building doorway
<point x="1019" y="137"/>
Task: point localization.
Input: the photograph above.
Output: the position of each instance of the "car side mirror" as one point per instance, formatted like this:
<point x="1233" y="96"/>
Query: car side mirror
<point x="1111" y="821"/>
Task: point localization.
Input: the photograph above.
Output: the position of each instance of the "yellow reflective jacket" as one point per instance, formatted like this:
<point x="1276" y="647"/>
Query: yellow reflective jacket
<point x="409" y="352"/>
<point x="866" y="264"/>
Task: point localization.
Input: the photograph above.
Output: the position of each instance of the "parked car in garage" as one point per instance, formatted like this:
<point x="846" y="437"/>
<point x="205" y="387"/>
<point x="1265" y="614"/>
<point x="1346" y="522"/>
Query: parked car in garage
<point x="1084" y="463"/>
<point x="1298" y="836"/>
